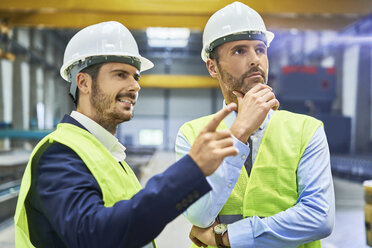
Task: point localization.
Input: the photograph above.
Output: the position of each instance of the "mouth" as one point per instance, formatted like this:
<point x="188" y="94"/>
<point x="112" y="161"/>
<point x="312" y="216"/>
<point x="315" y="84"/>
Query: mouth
<point x="126" y="102"/>
<point x="255" y="74"/>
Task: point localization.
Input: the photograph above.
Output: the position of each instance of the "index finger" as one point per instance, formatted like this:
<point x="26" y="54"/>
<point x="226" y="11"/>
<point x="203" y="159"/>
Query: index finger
<point x="218" y="117"/>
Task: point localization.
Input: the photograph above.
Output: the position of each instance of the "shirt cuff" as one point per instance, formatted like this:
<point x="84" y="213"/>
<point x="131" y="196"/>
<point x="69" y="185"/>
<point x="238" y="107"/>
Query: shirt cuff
<point x="241" y="234"/>
<point x="238" y="160"/>
<point x="186" y="165"/>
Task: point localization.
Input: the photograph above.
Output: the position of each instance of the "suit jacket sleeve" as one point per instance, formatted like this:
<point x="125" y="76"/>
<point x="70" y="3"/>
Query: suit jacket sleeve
<point x="69" y="197"/>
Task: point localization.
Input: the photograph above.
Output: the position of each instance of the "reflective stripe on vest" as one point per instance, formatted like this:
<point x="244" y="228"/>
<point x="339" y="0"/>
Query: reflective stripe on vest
<point x="272" y="186"/>
<point x="122" y="185"/>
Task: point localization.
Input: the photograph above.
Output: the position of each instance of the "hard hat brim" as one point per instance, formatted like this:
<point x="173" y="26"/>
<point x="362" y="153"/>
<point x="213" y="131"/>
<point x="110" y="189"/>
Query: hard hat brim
<point x="146" y="64"/>
<point x="205" y="55"/>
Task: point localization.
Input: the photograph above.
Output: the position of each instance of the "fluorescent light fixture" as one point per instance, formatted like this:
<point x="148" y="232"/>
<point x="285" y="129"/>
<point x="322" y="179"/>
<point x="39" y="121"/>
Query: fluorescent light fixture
<point x="168" y="33"/>
<point x="167" y="37"/>
<point x="294" y="31"/>
<point x="167" y="43"/>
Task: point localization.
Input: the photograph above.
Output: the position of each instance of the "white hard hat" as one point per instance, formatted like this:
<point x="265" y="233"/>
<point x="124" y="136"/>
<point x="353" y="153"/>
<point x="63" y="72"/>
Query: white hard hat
<point x="235" y="21"/>
<point x="99" y="43"/>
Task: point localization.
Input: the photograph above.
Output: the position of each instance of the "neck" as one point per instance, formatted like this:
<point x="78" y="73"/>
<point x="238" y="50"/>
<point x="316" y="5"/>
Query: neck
<point x="106" y="124"/>
<point x="109" y="126"/>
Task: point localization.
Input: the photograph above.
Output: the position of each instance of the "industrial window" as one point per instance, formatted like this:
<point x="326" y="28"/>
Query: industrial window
<point x="151" y="137"/>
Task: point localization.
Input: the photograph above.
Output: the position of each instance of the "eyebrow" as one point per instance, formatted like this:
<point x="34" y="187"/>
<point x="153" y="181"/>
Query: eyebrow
<point x="261" y="45"/>
<point x="135" y="75"/>
<point x="239" y="46"/>
<point x="246" y="46"/>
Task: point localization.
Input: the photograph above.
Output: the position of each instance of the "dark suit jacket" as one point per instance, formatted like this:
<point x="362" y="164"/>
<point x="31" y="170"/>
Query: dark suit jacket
<point x="65" y="207"/>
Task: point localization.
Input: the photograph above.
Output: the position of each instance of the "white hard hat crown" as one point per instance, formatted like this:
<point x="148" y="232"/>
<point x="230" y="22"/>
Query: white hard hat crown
<point x="102" y="42"/>
<point x="232" y="20"/>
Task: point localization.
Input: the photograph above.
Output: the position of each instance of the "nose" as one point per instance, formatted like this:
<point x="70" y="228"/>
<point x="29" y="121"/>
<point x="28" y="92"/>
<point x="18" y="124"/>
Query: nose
<point x="134" y="85"/>
<point x="254" y="59"/>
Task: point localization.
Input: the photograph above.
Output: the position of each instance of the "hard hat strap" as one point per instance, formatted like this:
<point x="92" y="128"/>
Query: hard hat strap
<point x="246" y="35"/>
<point x="71" y="74"/>
<point x="79" y="65"/>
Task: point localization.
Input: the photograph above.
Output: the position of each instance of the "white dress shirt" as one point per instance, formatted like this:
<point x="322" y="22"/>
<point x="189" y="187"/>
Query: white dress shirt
<point x="105" y="137"/>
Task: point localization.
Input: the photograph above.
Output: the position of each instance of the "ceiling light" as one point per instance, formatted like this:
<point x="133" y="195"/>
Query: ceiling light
<point x="167" y="37"/>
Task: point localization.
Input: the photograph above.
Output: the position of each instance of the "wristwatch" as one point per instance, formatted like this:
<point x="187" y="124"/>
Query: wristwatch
<point x="219" y="230"/>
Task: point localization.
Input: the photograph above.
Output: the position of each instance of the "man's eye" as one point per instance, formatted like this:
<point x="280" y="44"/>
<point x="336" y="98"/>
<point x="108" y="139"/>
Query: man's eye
<point x="261" y="50"/>
<point x="239" y="51"/>
<point x="122" y="75"/>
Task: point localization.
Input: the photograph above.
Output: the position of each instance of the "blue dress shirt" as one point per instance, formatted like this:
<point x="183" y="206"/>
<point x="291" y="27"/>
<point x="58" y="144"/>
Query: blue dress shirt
<point x="312" y="217"/>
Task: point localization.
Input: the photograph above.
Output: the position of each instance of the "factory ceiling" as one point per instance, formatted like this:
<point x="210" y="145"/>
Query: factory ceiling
<point x="139" y="14"/>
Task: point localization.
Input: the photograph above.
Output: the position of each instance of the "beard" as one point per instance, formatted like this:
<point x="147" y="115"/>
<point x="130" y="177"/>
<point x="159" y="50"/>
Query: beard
<point x="108" y="115"/>
<point x="238" y="83"/>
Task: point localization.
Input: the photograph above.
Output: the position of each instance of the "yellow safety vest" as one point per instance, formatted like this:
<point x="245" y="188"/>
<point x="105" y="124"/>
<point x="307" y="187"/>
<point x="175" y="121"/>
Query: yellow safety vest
<point x="272" y="185"/>
<point x="115" y="183"/>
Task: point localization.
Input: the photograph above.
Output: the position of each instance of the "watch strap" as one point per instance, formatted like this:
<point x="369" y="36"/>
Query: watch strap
<point x="219" y="241"/>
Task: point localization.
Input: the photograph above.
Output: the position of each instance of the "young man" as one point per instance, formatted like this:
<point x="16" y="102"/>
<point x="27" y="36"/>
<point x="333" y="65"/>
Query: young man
<point x="281" y="195"/>
<point x="77" y="190"/>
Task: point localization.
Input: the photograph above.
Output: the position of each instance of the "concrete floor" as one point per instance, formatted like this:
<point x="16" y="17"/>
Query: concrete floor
<point x="348" y="232"/>
<point x="7" y="234"/>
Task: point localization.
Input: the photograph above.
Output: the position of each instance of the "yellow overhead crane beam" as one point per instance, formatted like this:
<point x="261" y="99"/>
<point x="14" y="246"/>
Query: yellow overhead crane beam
<point x="177" y="81"/>
<point x="191" y="6"/>
<point x="139" y="14"/>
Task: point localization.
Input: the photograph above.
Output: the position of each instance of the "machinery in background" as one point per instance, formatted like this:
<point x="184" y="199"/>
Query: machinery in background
<point x="5" y="34"/>
<point x="13" y="163"/>
<point x="312" y="90"/>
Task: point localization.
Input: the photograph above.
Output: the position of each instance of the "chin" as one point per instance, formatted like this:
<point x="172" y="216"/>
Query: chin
<point x="122" y="117"/>
<point x="243" y="90"/>
<point x="248" y="87"/>
<point x="127" y="117"/>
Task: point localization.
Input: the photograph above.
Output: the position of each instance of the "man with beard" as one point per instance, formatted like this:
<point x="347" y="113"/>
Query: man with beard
<point x="281" y="195"/>
<point x="77" y="190"/>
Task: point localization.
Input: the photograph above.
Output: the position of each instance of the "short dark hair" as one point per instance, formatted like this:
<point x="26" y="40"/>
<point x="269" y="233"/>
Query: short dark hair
<point x="92" y="71"/>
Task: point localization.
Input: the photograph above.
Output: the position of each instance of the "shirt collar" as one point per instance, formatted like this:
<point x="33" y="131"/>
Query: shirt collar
<point x="230" y="118"/>
<point x="105" y="137"/>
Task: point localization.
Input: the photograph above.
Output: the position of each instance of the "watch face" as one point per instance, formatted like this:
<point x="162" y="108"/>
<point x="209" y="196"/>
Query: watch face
<point x="220" y="228"/>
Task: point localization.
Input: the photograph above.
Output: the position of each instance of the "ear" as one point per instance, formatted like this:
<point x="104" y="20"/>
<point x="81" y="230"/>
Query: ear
<point x="212" y="68"/>
<point x="84" y="83"/>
